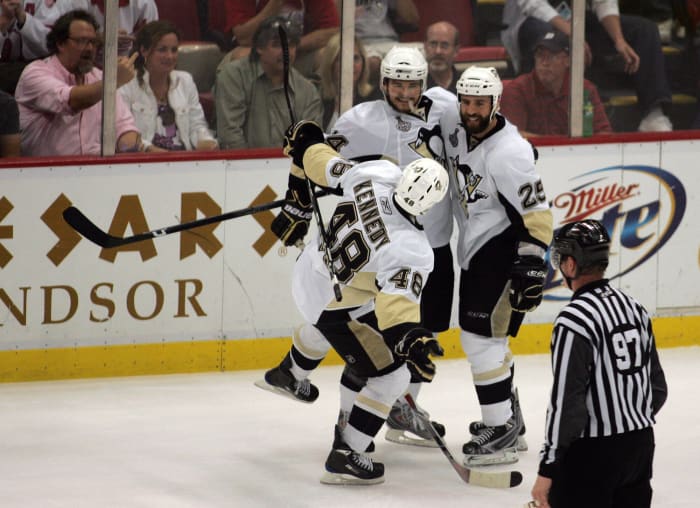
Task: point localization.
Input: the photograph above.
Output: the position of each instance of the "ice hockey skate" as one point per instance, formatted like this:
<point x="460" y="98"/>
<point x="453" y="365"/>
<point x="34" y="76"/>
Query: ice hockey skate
<point x="493" y="445"/>
<point x="281" y="381"/>
<point x="347" y="467"/>
<point x="405" y="428"/>
<point x="476" y="427"/>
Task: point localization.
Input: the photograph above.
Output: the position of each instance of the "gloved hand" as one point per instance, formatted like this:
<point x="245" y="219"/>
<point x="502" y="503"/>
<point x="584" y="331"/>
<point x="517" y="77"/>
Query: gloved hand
<point x="299" y="137"/>
<point x="415" y="348"/>
<point x="527" y="282"/>
<point x="292" y="223"/>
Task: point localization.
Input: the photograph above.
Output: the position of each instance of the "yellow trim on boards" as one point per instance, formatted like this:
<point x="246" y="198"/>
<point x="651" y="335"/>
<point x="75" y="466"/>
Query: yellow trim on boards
<point x="245" y="354"/>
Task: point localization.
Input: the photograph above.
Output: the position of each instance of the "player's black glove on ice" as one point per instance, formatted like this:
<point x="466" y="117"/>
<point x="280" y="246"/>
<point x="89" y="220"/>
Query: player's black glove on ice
<point x="292" y="223"/>
<point x="299" y="137"/>
<point x="527" y="282"/>
<point x="415" y="348"/>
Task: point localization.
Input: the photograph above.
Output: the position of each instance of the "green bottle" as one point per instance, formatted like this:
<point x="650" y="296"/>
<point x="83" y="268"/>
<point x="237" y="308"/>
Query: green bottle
<point x="587" y="114"/>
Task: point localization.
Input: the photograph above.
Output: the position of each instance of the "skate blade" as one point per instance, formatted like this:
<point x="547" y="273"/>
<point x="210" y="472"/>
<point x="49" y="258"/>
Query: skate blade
<point x="521" y="445"/>
<point x="261" y="383"/>
<point x="329" y="478"/>
<point x="506" y="456"/>
<point x="401" y="437"/>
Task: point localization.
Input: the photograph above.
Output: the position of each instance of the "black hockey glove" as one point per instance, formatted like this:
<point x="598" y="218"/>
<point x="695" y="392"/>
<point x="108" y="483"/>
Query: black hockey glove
<point x="292" y="223"/>
<point x="415" y="348"/>
<point x="299" y="137"/>
<point x="527" y="282"/>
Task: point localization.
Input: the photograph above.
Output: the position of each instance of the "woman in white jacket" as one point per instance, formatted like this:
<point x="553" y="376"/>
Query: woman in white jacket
<point x="164" y="101"/>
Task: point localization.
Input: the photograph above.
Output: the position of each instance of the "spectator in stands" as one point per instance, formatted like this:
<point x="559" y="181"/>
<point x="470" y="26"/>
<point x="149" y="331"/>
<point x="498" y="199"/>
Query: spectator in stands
<point x="133" y="14"/>
<point x="538" y="102"/>
<point x="251" y="107"/>
<point x="659" y="11"/>
<point x="60" y="97"/>
<point x="9" y="126"/>
<point x="441" y="46"/>
<point x="379" y="25"/>
<point x="620" y="43"/>
<point x="329" y="71"/>
<point x="24" y="25"/>
<point x="319" y="19"/>
<point x="165" y="101"/>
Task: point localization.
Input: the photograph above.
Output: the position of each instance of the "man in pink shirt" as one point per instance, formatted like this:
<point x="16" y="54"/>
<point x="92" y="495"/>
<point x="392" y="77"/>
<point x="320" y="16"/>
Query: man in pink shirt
<point x="60" y="97"/>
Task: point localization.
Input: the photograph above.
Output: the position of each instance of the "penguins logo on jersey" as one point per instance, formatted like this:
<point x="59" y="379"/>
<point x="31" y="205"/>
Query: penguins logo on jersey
<point x="422" y="109"/>
<point x="428" y="143"/>
<point x="468" y="183"/>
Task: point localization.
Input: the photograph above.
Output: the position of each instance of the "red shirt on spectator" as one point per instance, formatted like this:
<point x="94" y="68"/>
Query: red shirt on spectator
<point x="317" y="14"/>
<point x="527" y="104"/>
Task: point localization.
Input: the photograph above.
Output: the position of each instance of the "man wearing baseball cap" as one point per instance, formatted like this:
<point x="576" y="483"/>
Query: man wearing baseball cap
<point x="538" y="102"/>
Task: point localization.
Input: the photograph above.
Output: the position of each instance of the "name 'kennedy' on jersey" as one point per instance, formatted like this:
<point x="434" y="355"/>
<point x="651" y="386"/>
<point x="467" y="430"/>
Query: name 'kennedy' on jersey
<point x="369" y="214"/>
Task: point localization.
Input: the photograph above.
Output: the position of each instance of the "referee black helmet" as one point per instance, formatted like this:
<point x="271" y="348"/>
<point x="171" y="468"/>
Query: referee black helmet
<point x="586" y="241"/>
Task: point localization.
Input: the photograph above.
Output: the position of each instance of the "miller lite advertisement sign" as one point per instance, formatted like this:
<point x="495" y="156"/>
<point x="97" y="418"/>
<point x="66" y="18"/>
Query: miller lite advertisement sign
<point x="228" y="281"/>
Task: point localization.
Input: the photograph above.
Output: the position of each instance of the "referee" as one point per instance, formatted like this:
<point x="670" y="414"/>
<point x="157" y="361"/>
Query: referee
<point x="608" y="385"/>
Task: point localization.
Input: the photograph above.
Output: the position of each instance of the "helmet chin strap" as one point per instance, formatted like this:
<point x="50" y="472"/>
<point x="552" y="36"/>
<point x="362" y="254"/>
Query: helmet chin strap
<point x="569" y="280"/>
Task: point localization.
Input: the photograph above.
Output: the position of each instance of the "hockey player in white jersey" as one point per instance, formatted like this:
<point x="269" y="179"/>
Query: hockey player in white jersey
<point x="402" y="128"/>
<point x="382" y="258"/>
<point x="505" y="227"/>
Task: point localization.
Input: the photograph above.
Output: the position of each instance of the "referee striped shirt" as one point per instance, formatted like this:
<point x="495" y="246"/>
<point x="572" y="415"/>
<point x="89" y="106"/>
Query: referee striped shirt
<point x="607" y="375"/>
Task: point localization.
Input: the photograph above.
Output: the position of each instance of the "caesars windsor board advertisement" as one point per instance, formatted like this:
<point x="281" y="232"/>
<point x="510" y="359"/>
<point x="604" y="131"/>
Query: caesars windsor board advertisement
<point x="228" y="280"/>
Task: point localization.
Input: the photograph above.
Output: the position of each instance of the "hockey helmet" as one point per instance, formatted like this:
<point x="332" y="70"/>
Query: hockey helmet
<point x="481" y="81"/>
<point x="586" y="241"/>
<point x="405" y="64"/>
<point x="423" y="184"/>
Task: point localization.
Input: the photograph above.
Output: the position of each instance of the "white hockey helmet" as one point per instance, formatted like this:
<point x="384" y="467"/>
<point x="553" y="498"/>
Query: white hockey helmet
<point x="405" y="64"/>
<point x="481" y="81"/>
<point x="423" y="184"/>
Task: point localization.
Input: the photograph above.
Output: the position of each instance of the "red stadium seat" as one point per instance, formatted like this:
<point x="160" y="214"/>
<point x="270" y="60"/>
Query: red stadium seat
<point x="183" y="14"/>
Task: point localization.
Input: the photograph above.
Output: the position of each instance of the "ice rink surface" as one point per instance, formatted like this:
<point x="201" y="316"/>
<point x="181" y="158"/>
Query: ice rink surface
<point x="215" y="440"/>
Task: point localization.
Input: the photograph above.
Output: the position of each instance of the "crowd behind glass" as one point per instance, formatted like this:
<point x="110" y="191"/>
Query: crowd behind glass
<point x="226" y="91"/>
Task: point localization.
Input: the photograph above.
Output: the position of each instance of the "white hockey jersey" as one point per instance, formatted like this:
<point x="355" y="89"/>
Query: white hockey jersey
<point x="381" y="257"/>
<point x="375" y="130"/>
<point x="493" y="185"/>
<point x="132" y="14"/>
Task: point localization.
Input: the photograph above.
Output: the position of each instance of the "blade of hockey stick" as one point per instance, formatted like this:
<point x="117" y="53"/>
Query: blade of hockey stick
<point x="491" y="479"/>
<point x="78" y="221"/>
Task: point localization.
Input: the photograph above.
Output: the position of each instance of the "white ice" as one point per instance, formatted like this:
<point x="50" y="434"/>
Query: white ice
<point x="215" y="440"/>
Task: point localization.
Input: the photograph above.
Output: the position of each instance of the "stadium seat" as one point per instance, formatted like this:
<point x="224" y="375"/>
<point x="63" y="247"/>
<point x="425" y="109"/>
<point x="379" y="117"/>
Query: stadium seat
<point x="487" y="56"/>
<point x="183" y="15"/>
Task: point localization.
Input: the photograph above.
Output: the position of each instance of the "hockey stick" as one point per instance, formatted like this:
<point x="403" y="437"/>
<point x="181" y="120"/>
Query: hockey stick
<point x="492" y="479"/>
<point x="314" y="202"/>
<point x="78" y="221"/>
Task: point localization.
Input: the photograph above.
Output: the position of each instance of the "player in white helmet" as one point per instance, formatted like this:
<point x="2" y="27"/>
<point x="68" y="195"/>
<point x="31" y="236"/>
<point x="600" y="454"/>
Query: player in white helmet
<point x="505" y="227"/>
<point x="403" y="78"/>
<point x="402" y="128"/>
<point x="382" y="258"/>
